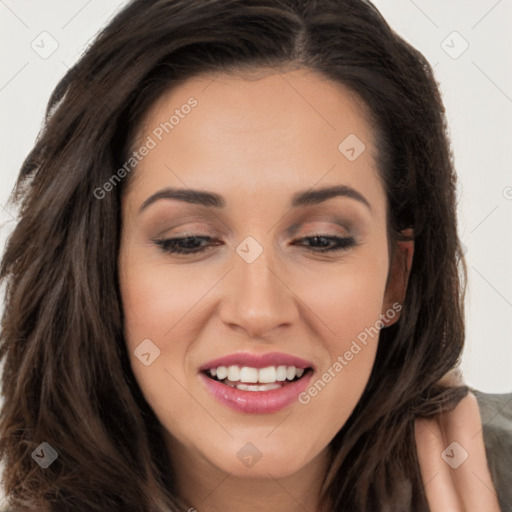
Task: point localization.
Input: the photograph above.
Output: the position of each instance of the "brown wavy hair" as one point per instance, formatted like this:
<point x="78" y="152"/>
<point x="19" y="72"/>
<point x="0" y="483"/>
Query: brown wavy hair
<point x="67" y="378"/>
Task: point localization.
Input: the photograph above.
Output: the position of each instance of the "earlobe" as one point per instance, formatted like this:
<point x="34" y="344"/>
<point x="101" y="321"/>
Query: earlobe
<point x="398" y="279"/>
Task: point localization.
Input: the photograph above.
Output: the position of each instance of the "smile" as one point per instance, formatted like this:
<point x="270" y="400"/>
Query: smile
<point x="246" y="378"/>
<point x="255" y="385"/>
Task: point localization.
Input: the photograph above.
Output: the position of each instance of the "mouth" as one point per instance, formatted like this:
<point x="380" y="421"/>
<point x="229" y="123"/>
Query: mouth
<point x="246" y="378"/>
<point x="253" y="383"/>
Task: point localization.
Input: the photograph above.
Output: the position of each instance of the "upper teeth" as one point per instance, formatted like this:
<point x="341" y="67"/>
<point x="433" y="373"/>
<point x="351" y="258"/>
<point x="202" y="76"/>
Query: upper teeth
<point x="264" y="375"/>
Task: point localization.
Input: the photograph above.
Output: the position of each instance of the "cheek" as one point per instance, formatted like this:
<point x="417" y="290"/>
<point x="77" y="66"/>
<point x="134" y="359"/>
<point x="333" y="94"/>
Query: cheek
<point x="156" y="297"/>
<point x="153" y="305"/>
<point x="347" y="304"/>
<point x="346" y="297"/>
<point x="347" y="301"/>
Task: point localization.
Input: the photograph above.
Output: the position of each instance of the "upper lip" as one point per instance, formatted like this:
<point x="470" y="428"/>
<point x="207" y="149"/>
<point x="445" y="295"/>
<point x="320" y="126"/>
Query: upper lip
<point x="257" y="360"/>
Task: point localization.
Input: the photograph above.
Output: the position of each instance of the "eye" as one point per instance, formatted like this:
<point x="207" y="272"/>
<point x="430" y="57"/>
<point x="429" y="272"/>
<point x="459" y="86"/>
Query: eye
<point x="185" y="245"/>
<point x="188" y="245"/>
<point x="336" y="243"/>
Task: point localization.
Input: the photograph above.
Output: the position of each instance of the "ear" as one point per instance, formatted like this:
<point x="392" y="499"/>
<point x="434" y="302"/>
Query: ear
<point x="400" y="267"/>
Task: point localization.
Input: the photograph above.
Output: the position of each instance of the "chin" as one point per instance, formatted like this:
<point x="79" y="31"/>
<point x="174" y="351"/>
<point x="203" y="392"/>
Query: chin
<point x="266" y="467"/>
<point x="259" y="459"/>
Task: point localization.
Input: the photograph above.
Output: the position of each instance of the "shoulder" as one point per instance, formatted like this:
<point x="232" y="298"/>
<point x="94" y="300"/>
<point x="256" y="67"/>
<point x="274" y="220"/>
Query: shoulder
<point x="496" y="415"/>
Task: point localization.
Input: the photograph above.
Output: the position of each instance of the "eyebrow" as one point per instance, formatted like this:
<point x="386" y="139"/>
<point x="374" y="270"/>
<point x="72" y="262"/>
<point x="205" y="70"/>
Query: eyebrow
<point x="213" y="200"/>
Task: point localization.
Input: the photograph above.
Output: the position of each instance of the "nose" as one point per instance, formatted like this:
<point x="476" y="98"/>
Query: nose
<point x="257" y="298"/>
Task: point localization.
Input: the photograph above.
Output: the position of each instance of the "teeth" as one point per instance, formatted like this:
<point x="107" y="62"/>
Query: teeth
<point x="281" y="373"/>
<point x="234" y="373"/>
<point x="247" y="375"/>
<point x="222" y="372"/>
<point x="255" y="387"/>
<point x="267" y="374"/>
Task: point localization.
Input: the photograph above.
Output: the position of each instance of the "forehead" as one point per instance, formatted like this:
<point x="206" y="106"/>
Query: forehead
<point x="266" y="132"/>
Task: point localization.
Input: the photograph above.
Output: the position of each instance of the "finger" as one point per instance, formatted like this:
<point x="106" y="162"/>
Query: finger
<point x="435" y="473"/>
<point x="465" y="454"/>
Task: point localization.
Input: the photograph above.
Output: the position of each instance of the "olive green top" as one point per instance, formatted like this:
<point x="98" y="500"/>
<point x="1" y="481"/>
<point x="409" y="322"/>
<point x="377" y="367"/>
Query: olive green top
<point x="496" y="415"/>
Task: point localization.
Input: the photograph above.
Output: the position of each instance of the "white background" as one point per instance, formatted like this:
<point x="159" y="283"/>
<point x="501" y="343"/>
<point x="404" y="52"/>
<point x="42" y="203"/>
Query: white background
<point x="476" y="87"/>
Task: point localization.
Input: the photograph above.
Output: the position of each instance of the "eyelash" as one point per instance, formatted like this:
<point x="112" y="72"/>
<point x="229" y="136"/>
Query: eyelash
<point x="169" y="245"/>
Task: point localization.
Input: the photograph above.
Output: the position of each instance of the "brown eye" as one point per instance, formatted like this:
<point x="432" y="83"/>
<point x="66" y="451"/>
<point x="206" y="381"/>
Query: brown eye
<point x="184" y="245"/>
<point x="340" y="243"/>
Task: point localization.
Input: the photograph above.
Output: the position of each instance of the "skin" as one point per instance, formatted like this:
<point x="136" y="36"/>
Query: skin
<point x="466" y="484"/>
<point x="256" y="140"/>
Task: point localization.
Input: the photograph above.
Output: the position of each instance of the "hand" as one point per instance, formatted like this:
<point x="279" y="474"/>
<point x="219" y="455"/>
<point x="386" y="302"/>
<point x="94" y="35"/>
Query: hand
<point x="461" y="482"/>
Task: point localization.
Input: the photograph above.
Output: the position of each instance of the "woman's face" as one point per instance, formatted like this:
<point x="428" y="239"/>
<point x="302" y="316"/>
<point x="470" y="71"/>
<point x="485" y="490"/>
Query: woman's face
<point x="261" y="296"/>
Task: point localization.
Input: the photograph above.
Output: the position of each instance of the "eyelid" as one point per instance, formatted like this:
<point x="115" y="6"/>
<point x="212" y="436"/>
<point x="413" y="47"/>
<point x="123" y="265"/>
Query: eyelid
<point x="336" y="225"/>
<point x="341" y="230"/>
<point x="309" y="233"/>
<point x="196" y="227"/>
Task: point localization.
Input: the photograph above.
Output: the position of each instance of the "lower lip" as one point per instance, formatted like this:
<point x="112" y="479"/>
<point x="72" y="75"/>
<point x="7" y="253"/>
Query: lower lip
<point x="257" y="402"/>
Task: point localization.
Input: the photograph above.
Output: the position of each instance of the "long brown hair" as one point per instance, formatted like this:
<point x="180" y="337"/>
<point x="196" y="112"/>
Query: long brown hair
<point x="67" y="379"/>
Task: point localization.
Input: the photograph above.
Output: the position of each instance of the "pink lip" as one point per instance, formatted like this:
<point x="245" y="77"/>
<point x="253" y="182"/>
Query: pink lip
<point x="256" y="402"/>
<point x="257" y="361"/>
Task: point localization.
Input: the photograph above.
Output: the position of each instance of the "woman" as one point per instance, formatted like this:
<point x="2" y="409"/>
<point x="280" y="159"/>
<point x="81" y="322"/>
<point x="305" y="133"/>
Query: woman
<point x="236" y="282"/>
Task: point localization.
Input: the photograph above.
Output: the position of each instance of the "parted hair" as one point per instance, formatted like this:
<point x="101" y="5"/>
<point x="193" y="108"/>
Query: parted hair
<point x="66" y="375"/>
